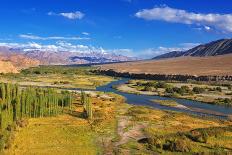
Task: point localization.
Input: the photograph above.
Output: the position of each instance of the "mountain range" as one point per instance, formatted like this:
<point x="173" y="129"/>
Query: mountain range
<point x="13" y="59"/>
<point x="19" y="58"/>
<point x="219" y="47"/>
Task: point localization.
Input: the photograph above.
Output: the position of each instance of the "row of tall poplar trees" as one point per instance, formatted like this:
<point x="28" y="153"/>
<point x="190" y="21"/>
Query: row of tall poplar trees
<point x="30" y="102"/>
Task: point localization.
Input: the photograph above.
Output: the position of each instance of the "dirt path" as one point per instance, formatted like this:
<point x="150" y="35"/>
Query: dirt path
<point x="127" y="130"/>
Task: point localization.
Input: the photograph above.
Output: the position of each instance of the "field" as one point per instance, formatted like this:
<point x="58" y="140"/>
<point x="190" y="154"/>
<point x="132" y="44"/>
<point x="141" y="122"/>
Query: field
<point x="57" y="76"/>
<point x="55" y="135"/>
<point x="220" y="65"/>
<point x="70" y="133"/>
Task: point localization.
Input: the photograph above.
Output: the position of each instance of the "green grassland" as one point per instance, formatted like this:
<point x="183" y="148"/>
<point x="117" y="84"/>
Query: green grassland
<point x="70" y="133"/>
<point x="58" y="76"/>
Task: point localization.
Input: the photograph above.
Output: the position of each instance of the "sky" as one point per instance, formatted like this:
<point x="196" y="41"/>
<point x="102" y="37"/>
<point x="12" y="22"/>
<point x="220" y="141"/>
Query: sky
<point x="138" y="28"/>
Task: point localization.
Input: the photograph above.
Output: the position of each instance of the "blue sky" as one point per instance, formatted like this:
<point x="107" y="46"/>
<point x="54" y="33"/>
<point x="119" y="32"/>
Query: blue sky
<point x="142" y="28"/>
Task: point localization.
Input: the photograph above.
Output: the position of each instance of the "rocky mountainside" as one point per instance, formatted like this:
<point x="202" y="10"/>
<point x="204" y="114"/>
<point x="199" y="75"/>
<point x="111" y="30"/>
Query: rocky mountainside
<point x="12" y="62"/>
<point x="219" y="47"/>
<point x="67" y="58"/>
<point x="20" y="58"/>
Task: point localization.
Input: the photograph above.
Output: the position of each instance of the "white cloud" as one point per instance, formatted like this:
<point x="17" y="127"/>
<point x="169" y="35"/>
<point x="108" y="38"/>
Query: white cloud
<point x="85" y="33"/>
<point x="34" y="37"/>
<point x="65" y="47"/>
<point x="221" y="22"/>
<point x="125" y="52"/>
<point x="69" y="15"/>
<point x="207" y="28"/>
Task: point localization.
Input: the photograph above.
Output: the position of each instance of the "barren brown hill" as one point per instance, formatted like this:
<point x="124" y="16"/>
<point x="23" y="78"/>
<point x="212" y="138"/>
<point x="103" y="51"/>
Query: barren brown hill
<point x="7" y="67"/>
<point x="217" y="65"/>
<point x="18" y="60"/>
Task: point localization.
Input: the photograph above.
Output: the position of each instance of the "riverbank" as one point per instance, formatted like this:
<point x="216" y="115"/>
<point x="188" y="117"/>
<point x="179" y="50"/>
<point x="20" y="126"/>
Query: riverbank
<point x="209" y="94"/>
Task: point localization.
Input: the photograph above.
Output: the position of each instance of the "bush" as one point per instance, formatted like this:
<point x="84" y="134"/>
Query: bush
<point x="229" y="87"/>
<point x="139" y="83"/>
<point x="202" y="134"/>
<point x="198" y="90"/>
<point x="219" y="89"/>
<point x="223" y="101"/>
<point x="161" y="84"/>
<point x="148" y="88"/>
<point x="169" y="90"/>
<point x="178" y="145"/>
<point x="183" y="90"/>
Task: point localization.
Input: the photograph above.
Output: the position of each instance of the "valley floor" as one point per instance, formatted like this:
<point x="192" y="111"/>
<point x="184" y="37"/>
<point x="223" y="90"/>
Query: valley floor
<point x="119" y="128"/>
<point x="116" y="127"/>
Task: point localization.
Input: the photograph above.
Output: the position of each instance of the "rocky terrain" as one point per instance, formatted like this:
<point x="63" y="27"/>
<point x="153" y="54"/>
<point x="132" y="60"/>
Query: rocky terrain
<point x="12" y="62"/>
<point x="219" y="47"/>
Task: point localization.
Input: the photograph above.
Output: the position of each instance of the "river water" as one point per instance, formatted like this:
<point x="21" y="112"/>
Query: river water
<point x="197" y="108"/>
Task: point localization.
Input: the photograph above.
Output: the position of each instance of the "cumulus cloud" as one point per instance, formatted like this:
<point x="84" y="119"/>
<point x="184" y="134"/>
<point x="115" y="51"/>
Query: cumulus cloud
<point x="69" y="15"/>
<point x="221" y="22"/>
<point x="34" y="37"/>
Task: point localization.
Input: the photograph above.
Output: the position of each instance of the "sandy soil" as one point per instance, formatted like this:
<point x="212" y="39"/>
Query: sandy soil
<point x="219" y="65"/>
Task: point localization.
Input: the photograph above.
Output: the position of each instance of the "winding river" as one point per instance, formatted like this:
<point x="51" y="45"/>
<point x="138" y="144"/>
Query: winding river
<point x="193" y="107"/>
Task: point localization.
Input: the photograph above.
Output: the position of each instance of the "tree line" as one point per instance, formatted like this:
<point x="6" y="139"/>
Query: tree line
<point x="31" y="102"/>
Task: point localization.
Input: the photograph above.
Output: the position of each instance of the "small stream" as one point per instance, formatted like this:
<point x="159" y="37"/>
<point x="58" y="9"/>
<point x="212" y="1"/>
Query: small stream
<point x="197" y="108"/>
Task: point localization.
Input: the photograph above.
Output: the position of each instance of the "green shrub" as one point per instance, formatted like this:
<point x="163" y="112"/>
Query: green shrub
<point x="229" y="87"/>
<point x="148" y="88"/>
<point x="198" y="90"/>
<point x="219" y="89"/>
<point x="202" y="134"/>
<point x="161" y="84"/>
<point x="181" y="144"/>
<point x="223" y="101"/>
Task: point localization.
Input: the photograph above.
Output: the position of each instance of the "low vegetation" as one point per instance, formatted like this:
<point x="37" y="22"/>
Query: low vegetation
<point x="36" y="120"/>
<point x="89" y="128"/>
<point x="212" y="94"/>
<point x="169" y="103"/>
<point x="18" y="104"/>
<point x="58" y="77"/>
<point x="172" y="132"/>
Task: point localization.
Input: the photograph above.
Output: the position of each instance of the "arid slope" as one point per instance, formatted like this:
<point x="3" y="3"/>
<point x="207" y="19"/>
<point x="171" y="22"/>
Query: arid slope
<point x="217" y="65"/>
<point x="7" y="67"/>
<point x="13" y="62"/>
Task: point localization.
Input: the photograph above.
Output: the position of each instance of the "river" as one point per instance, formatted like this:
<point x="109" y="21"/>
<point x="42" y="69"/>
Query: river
<point x="197" y="108"/>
